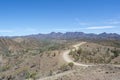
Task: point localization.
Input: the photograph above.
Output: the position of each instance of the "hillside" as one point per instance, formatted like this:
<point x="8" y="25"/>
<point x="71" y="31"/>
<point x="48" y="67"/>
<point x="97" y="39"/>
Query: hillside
<point x="21" y="56"/>
<point x="97" y="54"/>
<point x="40" y="56"/>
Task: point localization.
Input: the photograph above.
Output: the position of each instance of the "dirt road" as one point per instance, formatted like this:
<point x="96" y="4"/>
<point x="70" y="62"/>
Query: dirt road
<point x="67" y="58"/>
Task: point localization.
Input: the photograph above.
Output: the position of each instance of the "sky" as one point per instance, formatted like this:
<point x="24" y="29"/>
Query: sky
<point x="24" y="17"/>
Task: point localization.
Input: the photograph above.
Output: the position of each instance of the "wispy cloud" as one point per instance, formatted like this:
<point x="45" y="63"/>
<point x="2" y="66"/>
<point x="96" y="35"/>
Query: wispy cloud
<point x="69" y="29"/>
<point x="113" y="21"/>
<point x="83" y="23"/>
<point x="85" y="28"/>
<point x="100" y="27"/>
<point x="6" y="31"/>
<point x="79" y="22"/>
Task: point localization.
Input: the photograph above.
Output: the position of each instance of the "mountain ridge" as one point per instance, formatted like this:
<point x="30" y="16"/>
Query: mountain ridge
<point x="74" y="35"/>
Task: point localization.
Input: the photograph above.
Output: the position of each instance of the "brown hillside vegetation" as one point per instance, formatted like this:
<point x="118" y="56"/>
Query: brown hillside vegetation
<point x="96" y="53"/>
<point x="41" y="59"/>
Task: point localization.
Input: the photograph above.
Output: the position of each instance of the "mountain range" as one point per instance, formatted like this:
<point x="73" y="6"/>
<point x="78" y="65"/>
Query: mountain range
<point x="75" y="35"/>
<point x="18" y="43"/>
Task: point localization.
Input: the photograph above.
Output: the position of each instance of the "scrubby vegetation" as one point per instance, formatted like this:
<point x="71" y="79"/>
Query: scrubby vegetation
<point x="94" y="53"/>
<point x="71" y="65"/>
<point x="32" y="57"/>
<point x="24" y="60"/>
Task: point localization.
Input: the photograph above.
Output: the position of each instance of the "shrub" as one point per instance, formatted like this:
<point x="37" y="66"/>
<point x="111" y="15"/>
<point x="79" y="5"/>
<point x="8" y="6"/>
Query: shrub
<point x="6" y="67"/>
<point x="30" y="75"/>
<point x="50" y="73"/>
<point x="116" y="52"/>
<point x="79" y="51"/>
<point x="71" y="64"/>
<point x="64" y="67"/>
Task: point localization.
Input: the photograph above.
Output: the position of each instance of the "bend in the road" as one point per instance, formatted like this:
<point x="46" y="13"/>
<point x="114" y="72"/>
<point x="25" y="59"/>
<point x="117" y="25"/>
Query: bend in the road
<point x="67" y="58"/>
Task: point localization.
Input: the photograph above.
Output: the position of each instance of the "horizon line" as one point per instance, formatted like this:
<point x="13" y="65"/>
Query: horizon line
<point x="57" y="32"/>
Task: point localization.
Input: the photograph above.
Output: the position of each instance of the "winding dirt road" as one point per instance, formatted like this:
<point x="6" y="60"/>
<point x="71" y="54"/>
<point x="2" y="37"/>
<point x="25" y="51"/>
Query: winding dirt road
<point x="67" y="58"/>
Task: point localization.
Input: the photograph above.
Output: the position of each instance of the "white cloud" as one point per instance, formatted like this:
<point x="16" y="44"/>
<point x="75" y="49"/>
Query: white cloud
<point x="100" y="27"/>
<point x="90" y="28"/>
<point x="6" y="31"/>
<point x="83" y="23"/>
<point x="79" y="22"/>
<point x="113" y="21"/>
<point x="69" y="29"/>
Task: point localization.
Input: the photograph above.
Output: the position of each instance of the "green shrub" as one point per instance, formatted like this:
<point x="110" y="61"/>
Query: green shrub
<point x="115" y="52"/>
<point x="6" y="67"/>
<point x="79" y="51"/>
<point x="64" y="67"/>
<point x="71" y="64"/>
<point x="30" y="75"/>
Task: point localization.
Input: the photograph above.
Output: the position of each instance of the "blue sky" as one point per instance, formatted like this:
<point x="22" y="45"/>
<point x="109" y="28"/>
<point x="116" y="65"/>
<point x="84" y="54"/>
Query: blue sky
<point x="23" y="17"/>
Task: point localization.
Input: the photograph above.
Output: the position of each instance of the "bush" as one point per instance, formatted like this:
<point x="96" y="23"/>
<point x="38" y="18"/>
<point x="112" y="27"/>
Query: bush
<point x="71" y="52"/>
<point x="71" y="64"/>
<point x="6" y="67"/>
<point x="116" y="52"/>
<point x="30" y="75"/>
<point x="79" y="51"/>
<point x="50" y="73"/>
<point x="64" y="67"/>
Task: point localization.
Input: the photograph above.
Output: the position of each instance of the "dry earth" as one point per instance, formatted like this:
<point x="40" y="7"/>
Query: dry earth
<point x="86" y="72"/>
